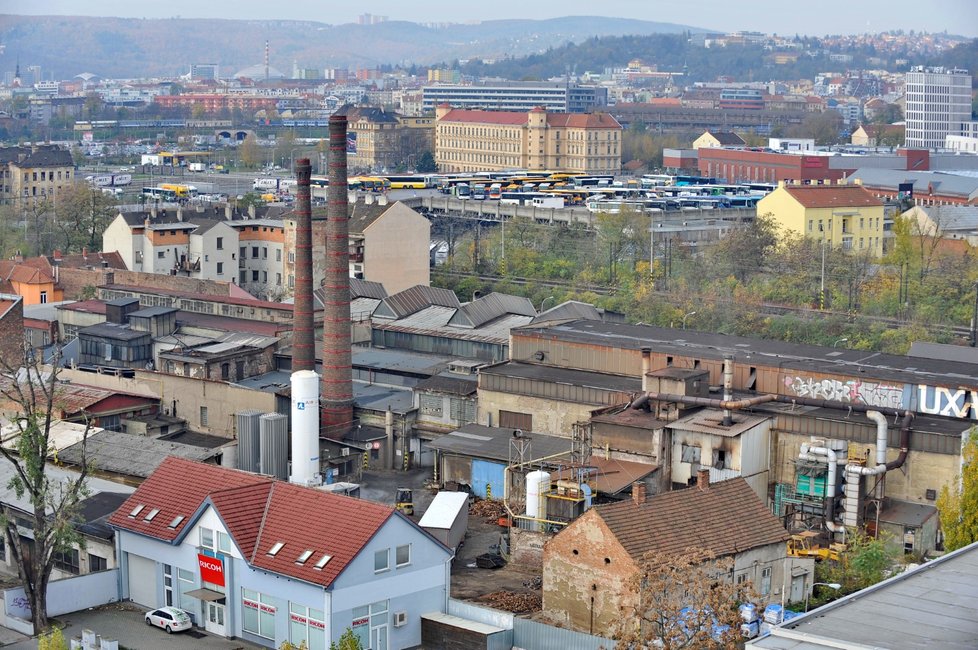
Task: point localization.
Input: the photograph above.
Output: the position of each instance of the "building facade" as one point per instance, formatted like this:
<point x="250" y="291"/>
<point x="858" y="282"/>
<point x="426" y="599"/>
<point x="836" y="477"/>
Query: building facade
<point x="266" y="561"/>
<point x="31" y="174"/>
<point x="478" y="140"/>
<point x="516" y="96"/>
<point x="938" y="103"/>
<point x="842" y="216"/>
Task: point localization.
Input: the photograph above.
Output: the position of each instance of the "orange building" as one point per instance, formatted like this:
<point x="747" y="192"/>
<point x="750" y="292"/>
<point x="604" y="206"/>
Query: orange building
<point x="35" y="286"/>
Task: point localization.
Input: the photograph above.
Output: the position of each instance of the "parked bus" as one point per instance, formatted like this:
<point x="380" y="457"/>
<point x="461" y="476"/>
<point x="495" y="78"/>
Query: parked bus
<point x="159" y="194"/>
<point x="461" y="191"/>
<point x="181" y="191"/>
<point x="495" y="191"/>
<point x="414" y="182"/>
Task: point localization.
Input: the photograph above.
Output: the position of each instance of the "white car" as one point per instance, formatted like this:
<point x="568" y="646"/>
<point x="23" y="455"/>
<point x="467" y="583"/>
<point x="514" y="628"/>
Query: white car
<point x="170" y="619"/>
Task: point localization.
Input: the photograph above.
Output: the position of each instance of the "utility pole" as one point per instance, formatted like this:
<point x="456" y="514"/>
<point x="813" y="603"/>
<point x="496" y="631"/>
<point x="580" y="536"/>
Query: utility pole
<point x="974" y="320"/>
<point x="821" y="291"/>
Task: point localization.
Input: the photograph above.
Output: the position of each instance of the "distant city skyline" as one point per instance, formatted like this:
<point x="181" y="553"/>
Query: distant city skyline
<point x="769" y="16"/>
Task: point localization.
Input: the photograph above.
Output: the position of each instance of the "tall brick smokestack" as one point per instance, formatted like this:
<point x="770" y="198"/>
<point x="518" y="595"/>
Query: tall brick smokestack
<point x="336" y="395"/>
<point x="303" y="348"/>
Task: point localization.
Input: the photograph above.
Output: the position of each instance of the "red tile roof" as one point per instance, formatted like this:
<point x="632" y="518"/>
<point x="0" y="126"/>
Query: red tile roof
<point x="485" y="117"/>
<point x="583" y="120"/>
<point x="259" y="513"/>
<point x="832" y="196"/>
<point x="23" y="273"/>
<point x="725" y="518"/>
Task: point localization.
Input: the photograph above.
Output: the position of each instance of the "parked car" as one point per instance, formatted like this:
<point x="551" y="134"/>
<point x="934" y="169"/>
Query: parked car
<point x="170" y="619"/>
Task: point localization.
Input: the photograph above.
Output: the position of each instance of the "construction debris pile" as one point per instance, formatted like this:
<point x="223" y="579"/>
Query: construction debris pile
<point x="487" y="509"/>
<point x="513" y="602"/>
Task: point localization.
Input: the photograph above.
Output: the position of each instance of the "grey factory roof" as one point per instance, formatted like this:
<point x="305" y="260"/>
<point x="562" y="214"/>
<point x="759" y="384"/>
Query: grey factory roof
<point x="414" y="299"/>
<point x="377" y="397"/>
<point x="943" y="352"/>
<point x="56" y="475"/>
<point x="448" y="385"/>
<point x="130" y="454"/>
<point x="366" y="289"/>
<point x="709" y="421"/>
<point x="433" y="321"/>
<point x="490" y="307"/>
<point x="394" y="361"/>
<point x="906" y="513"/>
<point x="812" y="358"/>
<point x="570" y="310"/>
<point x="493" y="443"/>
<point x="953" y="218"/>
<point x="113" y="331"/>
<point x="924" y="183"/>
<point x="583" y="378"/>
<point x="95" y="511"/>
<point x="932" y="606"/>
<point x="149" y="312"/>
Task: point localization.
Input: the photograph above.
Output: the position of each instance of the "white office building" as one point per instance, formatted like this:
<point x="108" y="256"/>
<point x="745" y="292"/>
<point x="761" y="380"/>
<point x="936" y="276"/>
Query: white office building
<point x="938" y="105"/>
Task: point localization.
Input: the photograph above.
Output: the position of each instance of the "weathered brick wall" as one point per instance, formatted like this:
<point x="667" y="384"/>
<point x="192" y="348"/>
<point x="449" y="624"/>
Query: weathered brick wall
<point x="526" y="548"/>
<point x="12" y="335"/>
<point x="74" y="281"/>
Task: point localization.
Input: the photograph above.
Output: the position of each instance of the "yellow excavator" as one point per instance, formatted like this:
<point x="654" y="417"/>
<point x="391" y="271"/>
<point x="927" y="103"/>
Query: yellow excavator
<point x="803" y="545"/>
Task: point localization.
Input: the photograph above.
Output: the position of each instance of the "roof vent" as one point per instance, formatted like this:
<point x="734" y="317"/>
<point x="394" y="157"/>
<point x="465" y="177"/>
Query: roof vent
<point x="136" y="511"/>
<point x="276" y="548"/>
<point x="305" y="556"/>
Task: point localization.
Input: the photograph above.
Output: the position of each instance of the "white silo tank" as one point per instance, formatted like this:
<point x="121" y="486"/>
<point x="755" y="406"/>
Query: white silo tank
<point x="305" y="428"/>
<point x="537" y="483"/>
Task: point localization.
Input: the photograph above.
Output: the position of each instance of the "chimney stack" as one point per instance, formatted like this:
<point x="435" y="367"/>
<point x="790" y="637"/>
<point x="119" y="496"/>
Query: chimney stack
<point x="303" y="350"/>
<point x="638" y="492"/>
<point x="646" y="368"/>
<point x="337" y="384"/>
<point x="727" y="388"/>
<point x="703" y="479"/>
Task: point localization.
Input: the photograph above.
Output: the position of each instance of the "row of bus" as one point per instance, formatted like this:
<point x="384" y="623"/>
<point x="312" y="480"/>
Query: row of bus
<point x="170" y="192"/>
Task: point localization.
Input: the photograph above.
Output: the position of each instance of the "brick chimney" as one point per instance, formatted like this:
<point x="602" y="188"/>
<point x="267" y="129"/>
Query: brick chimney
<point x="703" y="479"/>
<point x="638" y="492"/>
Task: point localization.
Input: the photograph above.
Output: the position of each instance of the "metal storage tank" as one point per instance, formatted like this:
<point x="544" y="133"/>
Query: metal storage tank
<point x="305" y="428"/>
<point x="274" y="449"/>
<point x="248" y="439"/>
<point x="537" y="485"/>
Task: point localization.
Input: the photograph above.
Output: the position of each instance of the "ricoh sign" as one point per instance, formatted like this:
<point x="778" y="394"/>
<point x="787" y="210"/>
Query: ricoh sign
<point x="211" y="569"/>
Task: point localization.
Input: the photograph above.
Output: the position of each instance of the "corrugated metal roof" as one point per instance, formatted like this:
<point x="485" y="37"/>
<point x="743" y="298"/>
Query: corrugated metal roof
<point x="493" y="443"/>
<point x="416" y="298"/>
<point x="570" y="310"/>
<point x="923" y="182"/>
<point x="367" y="289"/>
<point x="952" y="218"/>
<point x="583" y="378"/>
<point x="129" y="454"/>
<point x="487" y="308"/>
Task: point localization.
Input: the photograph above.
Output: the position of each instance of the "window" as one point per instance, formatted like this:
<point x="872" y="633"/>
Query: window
<point x="431" y="405"/>
<point x="203" y="416"/>
<point x="690" y="454"/>
<point x="207" y="538"/>
<point x="97" y="563"/>
<point x="402" y="555"/>
<point x="44" y="297"/>
<point x="264" y="252"/>
<point x="67" y="561"/>
<point x="220" y="243"/>
<point x="721" y="459"/>
<point x="258" y="613"/>
<point x="167" y="585"/>
<point x="254" y="252"/>
<point x="307" y="625"/>
<point x="382" y="560"/>
<point x="278" y="279"/>
<point x="278" y="254"/>
<point x="765" y="581"/>
<point x="254" y="276"/>
<point x="160" y="254"/>
<point x="223" y="542"/>
<point x="220" y="268"/>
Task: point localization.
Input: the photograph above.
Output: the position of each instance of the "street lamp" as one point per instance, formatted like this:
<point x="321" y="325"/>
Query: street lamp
<point x="831" y="585"/>
<point x="842" y="340"/>
<point x="543" y="304"/>
<point x="687" y="315"/>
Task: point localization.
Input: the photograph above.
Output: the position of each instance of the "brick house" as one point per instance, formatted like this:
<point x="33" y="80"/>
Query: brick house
<point x="587" y="567"/>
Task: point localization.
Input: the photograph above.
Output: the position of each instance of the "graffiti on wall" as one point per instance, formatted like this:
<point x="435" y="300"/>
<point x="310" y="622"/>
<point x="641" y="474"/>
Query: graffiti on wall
<point x="853" y="391"/>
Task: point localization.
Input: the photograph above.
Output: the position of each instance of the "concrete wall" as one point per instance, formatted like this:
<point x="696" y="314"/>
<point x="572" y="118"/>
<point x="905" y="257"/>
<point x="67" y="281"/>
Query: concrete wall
<point x="526" y="548"/>
<point x="222" y="400"/>
<point x="67" y="595"/>
<point x="553" y="418"/>
<point x="12" y="334"/>
<point x="396" y="249"/>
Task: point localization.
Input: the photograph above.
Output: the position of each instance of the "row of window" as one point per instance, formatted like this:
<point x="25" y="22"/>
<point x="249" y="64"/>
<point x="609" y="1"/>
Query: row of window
<point x="68" y="561"/>
<point x="264" y="252"/>
<point x="243" y="277"/>
<point x="46" y="176"/>
<point x="382" y="558"/>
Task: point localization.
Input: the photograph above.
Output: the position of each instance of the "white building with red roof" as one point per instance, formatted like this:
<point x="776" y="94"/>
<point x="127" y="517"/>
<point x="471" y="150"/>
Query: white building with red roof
<point x="259" y="559"/>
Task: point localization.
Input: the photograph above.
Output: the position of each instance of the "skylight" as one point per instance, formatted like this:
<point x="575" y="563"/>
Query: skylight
<point x="176" y="521"/>
<point x="323" y="560"/>
<point x="275" y="549"/>
<point x="136" y="510"/>
<point x="305" y="556"/>
<point x="152" y="513"/>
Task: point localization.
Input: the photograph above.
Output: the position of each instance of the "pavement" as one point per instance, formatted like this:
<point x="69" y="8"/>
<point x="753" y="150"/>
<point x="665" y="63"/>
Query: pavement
<point x="125" y="623"/>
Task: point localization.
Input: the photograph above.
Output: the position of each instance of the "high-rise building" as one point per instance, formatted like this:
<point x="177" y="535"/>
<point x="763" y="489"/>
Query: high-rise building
<point x="204" y="71"/>
<point x="938" y="104"/>
<point x="517" y="96"/>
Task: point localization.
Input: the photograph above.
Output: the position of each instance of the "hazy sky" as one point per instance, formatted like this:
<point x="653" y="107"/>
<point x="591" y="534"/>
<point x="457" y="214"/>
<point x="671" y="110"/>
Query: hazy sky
<point x="812" y="17"/>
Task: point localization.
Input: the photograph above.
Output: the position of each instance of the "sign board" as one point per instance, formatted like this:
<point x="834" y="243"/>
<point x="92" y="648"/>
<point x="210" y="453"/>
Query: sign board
<point x="211" y="569"/>
<point x="905" y="190"/>
<point x="351" y="143"/>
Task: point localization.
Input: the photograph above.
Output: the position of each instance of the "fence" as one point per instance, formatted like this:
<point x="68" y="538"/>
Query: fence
<point x="528" y="634"/>
<point x="64" y="596"/>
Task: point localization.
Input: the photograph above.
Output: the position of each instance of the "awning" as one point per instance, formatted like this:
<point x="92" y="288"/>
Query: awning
<point x="206" y="594"/>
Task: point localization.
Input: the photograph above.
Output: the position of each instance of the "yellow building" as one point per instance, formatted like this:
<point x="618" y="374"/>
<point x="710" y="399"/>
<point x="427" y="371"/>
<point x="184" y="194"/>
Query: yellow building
<point x="846" y="216"/>
<point x="477" y="140"/>
<point x="34" y="174"/>
<point x="716" y="139"/>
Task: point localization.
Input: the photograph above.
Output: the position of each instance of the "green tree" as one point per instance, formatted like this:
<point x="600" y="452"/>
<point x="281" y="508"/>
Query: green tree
<point x="34" y="392"/>
<point x="249" y="151"/>
<point x="250" y="199"/>
<point x="348" y="641"/>
<point x="426" y="163"/>
<point x="81" y="215"/>
<point x="865" y="561"/>
<point x="53" y="640"/>
<point x="957" y="504"/>
<point x="745" y="252"/>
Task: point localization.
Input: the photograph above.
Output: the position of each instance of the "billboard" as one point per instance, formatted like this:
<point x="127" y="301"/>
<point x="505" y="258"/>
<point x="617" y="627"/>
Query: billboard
<point x="905" y="191"/>
<point x="351" y="143"/>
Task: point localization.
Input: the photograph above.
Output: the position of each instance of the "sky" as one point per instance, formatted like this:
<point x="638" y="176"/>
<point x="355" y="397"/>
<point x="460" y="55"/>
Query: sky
<point x="786" y="17"/>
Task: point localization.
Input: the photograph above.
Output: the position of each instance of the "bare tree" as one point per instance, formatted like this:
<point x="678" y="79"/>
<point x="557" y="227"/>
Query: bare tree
<point x="687" y="600"/>
<point x="31" y="392"/>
